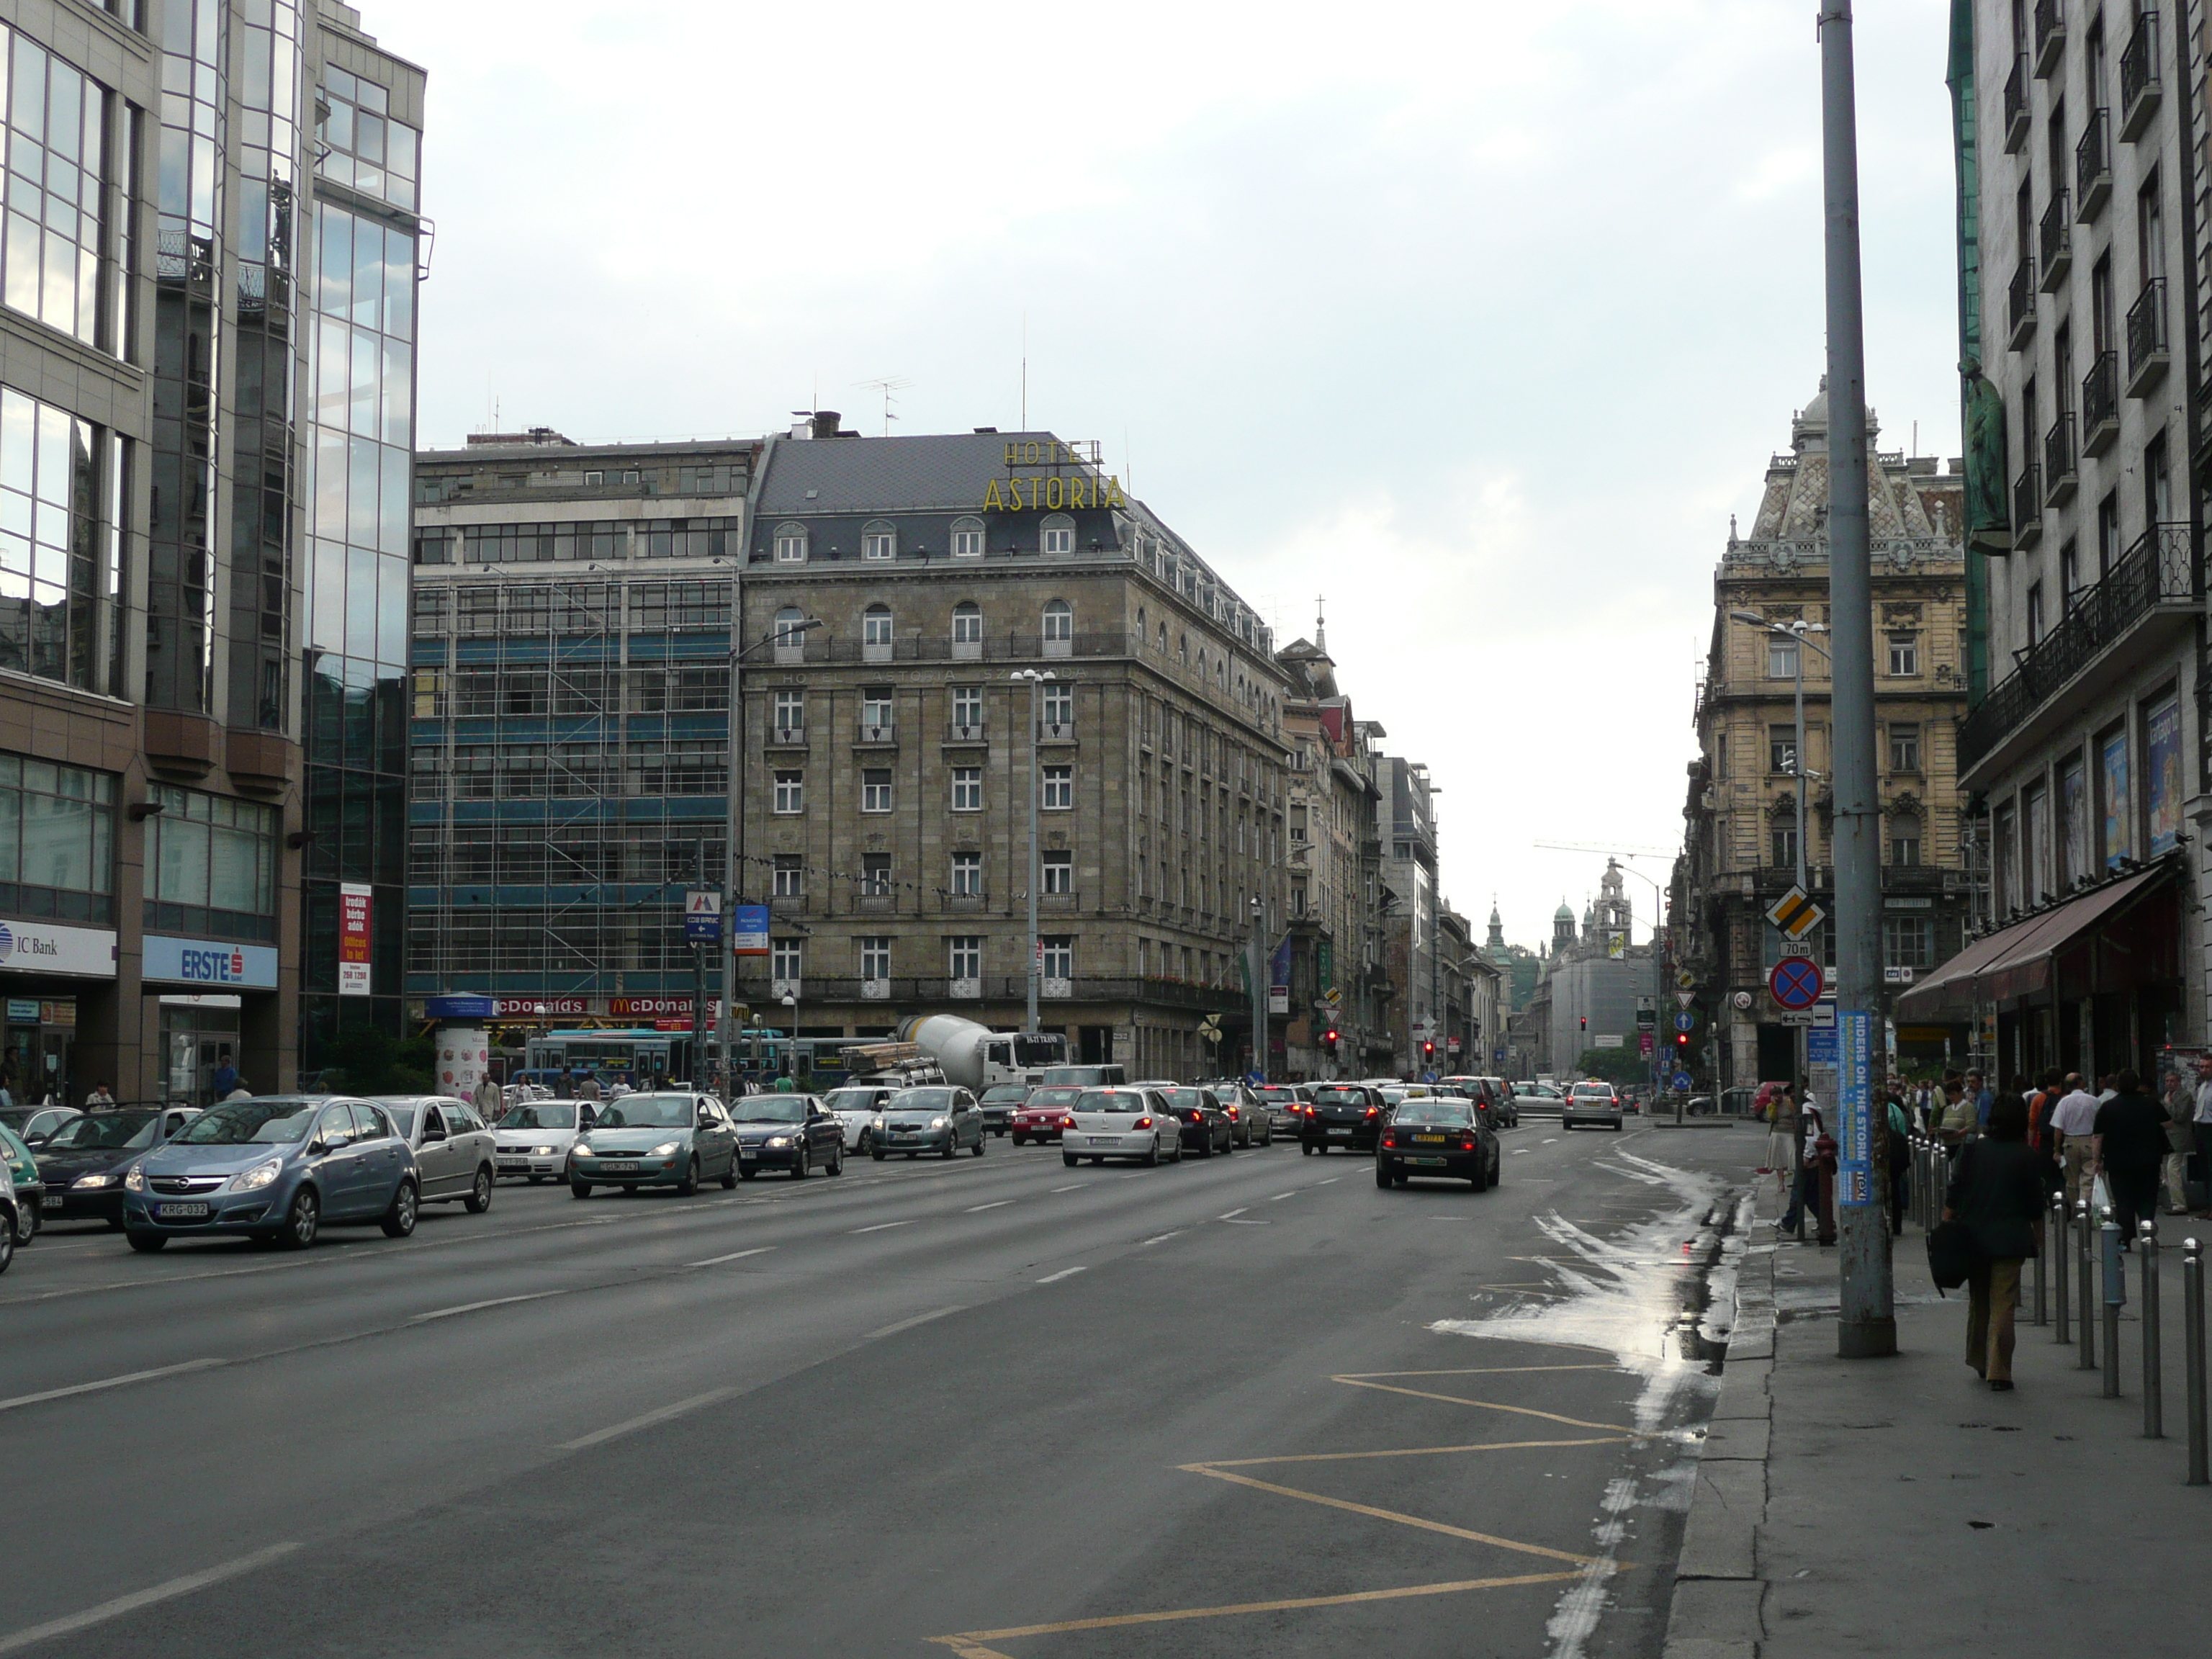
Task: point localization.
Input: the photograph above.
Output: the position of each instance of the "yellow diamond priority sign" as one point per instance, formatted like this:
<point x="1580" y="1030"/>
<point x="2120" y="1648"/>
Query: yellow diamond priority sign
<point x="1795" y="914"/>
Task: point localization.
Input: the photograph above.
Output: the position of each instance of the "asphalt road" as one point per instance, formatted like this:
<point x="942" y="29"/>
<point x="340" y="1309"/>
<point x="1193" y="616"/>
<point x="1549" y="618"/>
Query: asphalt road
<point x="994" y="1405"/>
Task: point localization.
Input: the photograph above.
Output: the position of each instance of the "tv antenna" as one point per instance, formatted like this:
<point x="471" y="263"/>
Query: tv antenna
<point x="886" y="386"/>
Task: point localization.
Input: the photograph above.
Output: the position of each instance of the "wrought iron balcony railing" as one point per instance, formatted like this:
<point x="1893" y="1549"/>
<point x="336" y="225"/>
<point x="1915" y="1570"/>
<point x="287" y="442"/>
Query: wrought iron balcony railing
<point x="2092" y="164"/>
<point x="2146" y="352"/>
<point x="2139" y="83"/>
<point x="2027" y="506"/>
<point x="2100" y="403"/>
<point x="2057" y="241"/>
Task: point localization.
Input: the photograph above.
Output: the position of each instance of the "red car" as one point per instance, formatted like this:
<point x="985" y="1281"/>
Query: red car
<point x="1039" y="1118"/>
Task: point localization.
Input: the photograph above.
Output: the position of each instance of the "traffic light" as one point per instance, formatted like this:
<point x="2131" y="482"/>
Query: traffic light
<point x="1428" y="1051"/>
<point x="1328" y="1039"/>
<point x="1585" y="1021"/>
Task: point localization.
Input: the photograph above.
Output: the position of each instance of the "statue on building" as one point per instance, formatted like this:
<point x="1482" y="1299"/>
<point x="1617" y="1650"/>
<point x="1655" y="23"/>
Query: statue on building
<point x="1989" y="516"/>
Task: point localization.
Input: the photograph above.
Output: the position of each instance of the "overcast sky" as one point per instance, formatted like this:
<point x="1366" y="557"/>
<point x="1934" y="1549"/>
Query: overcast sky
<point x="1477" y="319"/>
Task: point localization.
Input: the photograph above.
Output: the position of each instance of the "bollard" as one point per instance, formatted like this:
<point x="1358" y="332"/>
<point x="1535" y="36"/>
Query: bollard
<point x="2063" y="1268"/>
<point x="2153" y="1378"/>
<point x="2085" y="1283"/>
<point x="2192" y="1359"/>
<point x="2116" y="1293"/>
<point x="2042" y="1308"/>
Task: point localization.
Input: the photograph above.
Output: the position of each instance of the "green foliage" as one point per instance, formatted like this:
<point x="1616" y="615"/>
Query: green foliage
<point x="365" y="1060"/>
<point x="1620" y="1067"/>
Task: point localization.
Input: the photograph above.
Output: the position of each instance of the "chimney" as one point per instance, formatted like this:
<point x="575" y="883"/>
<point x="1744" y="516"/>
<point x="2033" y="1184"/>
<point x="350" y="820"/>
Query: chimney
<point x="824" y="423"/>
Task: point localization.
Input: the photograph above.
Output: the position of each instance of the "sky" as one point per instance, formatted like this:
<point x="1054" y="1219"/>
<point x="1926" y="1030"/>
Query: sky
<point x="1472" y="322"/>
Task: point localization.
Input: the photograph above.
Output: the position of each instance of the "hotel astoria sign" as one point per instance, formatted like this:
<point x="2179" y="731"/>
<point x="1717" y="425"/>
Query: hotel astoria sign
<point x="1053" y="495"/>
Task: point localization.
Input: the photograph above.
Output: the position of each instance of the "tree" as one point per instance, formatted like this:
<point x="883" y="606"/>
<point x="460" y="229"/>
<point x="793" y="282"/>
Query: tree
<point x="1620" y="1067"/>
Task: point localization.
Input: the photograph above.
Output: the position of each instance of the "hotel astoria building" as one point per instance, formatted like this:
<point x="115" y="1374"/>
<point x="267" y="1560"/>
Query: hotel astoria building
<point x="208" y="276"/>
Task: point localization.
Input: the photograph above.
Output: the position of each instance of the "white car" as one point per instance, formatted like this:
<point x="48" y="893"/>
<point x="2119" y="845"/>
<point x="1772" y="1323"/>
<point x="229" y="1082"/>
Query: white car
<point x="532" y="1140"/>
<point x="855" y="1106"/>
<point x="1590" y="1102"/>
<point x="1121" y="1122"/>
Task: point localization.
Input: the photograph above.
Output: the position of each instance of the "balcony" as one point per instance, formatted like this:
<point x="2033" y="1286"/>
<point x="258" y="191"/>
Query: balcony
<point x="2049" y="37"/>
<point x="2058" y="467"/>
<point x="786" y="737"/>
<point x="2057" y="242"/>
<point x="2146" y="352"/>
<point x="2100" y="403"/>
<point x="1056" y="732"/>
<point x="2018" y="115"/>
<point x="2027" y="507"/>
<point x="2022" y="303"/>
<point x="2147" y="603"/>
<point x="969" y="732"/>
<point x="2139" y="86"/>
<point x="876" y="736"/>
<point x="2092" y="164"/>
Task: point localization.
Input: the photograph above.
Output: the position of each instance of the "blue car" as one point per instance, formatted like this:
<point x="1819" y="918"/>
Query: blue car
<point x="274" y="1169"/>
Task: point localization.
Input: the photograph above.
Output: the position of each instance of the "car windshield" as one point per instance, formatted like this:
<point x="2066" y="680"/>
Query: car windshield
<point x="120" y="1131"/>
<point x="1183" y="1099"/>
<point x="403" y="1118"/>
<point x="771" y="1108"/>
<point x="1006" y="1093"/>
<point x="1054" y="1094"/>
<point x="540" y="1114"/>
<point x="271" y="1121"/>
<point x="920" y="1100"/>
<point x="841" y="1100"/>
<point x="1105" y="1100"/>
<point x="647" y="1112"/>
<point x="1338" y="1097"/>
<point x="1453" y="1113"/>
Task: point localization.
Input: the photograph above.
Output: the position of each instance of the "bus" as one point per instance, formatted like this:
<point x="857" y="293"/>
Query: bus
<point x="651" y="1059"/>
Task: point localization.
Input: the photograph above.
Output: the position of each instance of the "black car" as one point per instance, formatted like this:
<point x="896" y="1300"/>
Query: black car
<point x="1438" y="1136"/>
<point x="1250" y="1122"/>
<point x="796" y="1132"/>
<point x="1000" y="1103"/>
<point x="1206" y="1129"/>
<point x="1347" y="1114"/>
<point x="83" y="1162"/>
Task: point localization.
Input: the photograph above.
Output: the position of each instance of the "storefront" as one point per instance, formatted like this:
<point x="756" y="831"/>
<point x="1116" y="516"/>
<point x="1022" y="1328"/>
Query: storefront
<point x="204" y="985"/>
<point x="45" y="971"/>
<point x="198" y="1038"/>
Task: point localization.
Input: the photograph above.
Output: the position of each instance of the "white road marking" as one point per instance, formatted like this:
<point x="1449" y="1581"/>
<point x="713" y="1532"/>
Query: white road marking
<point x="1000" y="1204"/>
<point x="1280" y="1197"/>
<point x="105" y="1383"/>
<point x="600" y="1436"/>
<point x="473" y="1307"/>
<point x="1234" y="1223"/>
<point x="1518" y="1151"/>
<point x="909" y="1324"/>
<point x="1331" y="1181"/>
<point x="1548" y="1140"/>
<point x="1076" y="1187"/>
<point x="1232" y="1215"/>
<point x="1065" y="1272"/>
<point x="883" y="1226"/>
<point x="1160" y="1238"/>
<point x="734" y="1255"/>
<point x="145" y="1598"/>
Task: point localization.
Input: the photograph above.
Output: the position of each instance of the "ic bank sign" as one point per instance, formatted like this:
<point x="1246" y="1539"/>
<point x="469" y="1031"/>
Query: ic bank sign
<point x="210" y="962"/>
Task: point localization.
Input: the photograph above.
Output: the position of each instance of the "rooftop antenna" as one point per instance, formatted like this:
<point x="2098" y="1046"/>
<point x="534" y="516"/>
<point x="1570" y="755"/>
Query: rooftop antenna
<point x="1025" y="371"/>
<point x="887" y="385"/>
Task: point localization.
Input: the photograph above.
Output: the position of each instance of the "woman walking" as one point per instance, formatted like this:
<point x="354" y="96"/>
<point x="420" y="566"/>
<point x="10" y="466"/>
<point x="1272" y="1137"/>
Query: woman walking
<point x="1996" y="1191"/>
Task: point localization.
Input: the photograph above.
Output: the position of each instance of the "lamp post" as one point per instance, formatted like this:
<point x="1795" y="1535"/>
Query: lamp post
<point x="1036" y="677"/>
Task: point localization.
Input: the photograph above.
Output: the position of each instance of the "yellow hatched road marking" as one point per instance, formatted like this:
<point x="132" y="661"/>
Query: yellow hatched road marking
<point x="1471" y="1370"/>
<point x="1494" y="1406"/>
<point x="1449" y="1531"/>
<point x="1412" y="1451"/>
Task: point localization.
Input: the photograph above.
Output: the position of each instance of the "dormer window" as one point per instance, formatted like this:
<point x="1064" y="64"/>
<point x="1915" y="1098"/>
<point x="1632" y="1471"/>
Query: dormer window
<point x="790" y="544"/>
<point x="879" y="541"/>
<point x="1059" y="534"/>
<point x="967" y="538"/>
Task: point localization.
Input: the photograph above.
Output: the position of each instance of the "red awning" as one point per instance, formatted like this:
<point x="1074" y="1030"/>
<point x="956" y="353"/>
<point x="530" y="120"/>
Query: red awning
<point x="2016" y="961"/>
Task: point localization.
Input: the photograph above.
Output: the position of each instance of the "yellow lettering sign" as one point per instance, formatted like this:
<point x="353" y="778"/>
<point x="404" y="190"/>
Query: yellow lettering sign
<point x="991" y="497"/>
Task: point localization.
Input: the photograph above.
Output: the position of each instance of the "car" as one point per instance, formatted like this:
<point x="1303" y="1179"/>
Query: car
<point x="1040" y="1116"/>
<point x="1122" y="1122"/>
<point x="1445" y="1136"/>
<point x="11" y="1213"/>
<point x="83" y="1162"/>
<point x="455" y="1151"/>
<point x="533" y="1137"/>
<point x="668" y="1138"/>
<point x="22" y="1167"/>
<point x="35" y="1123"/>
<point x="999" y="1103"/>
<point x="1499" y="1093"/>
<point x="1250" y="1122"/>
<point x="1086" y="1077"/>
<point x="1540" y="1098"/>
<point x="1285" y="1103"/>
<point x="1347" y="1114"/>
<point x="787" y="1131"/>
<point x="934" y="1118"/>
<point x="276" y="1168"/>
<point x="1205" y="1125"/>
<point x="856" y="1107"/>
<point x="1590" y="1102"/>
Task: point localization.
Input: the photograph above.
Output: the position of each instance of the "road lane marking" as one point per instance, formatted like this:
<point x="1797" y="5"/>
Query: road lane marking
<point x="734" y="1255"/>
<point x="1000" y="1205"/>
<point x="1076" y="1187"/>
<point x="1549" y="1140"/>
<point x="105" y="1383"/>
<point x="600" y="1437"/>
<point x="1492" y="1539"/>
<point x="1331" y="1181"/>
<point x="1065" y="1272"/>
<point x="1232" y="1215"/>
<point x="1494" y="1406"/>
<point x="881" y="1227"/>
<point x="1162" y="1238"/>
<point x="145" y="1598"/>
<point x="909" y="1324"/>
<point x="1478" y="1371"/>
<point x="966" y="1644"/>
<point x="1520" y="1152"/>
<point x="1280" y="1197"/>
<point x="474" y="1307"/>
<point x="1418" y="1451"/>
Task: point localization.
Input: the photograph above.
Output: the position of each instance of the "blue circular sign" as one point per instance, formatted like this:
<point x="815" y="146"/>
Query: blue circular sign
<point x="1796" y="983"/>
<point x="1682" y="1079"/>
<point x="1686" y="1021"/>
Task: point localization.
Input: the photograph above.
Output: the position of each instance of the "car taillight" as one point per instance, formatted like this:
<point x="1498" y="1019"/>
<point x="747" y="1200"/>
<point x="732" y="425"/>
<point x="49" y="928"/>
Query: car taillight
<point x="1373" y="1112"/>
<point x="1142" y="1123"/>
<point x="1390" y="1140"/>
<point x="1232" y="1111"/>
<point x="1466" y="1143"/>
<point x="1067" y="1122"/>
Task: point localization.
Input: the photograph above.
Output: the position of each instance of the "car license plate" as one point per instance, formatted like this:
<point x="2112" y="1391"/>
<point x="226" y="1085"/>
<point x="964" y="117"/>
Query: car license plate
<point x="1428" y="1140"/>
<point x="180" y="1211"/>
<point x="620" y="1166"/>
<point x="1425" y="1160"/>
<point x="53" y="1201"/>
<point x="1339" y="1132"/>
<point x="520" y="1165"/>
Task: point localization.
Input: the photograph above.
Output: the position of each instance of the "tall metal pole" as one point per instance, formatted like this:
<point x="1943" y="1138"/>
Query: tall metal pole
<point x="1867" y="1325"/>
<point x="1036" y="963"/>
<point x="1259" y="990"/>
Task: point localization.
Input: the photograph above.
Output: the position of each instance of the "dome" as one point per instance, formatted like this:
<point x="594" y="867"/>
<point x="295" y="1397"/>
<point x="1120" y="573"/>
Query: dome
<point x="1816" y="412"/>
<point x="1563" y="914"/>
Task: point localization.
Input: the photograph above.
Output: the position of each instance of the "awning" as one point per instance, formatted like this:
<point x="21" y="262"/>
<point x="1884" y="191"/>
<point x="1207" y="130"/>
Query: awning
<point x="2016" y="961"/>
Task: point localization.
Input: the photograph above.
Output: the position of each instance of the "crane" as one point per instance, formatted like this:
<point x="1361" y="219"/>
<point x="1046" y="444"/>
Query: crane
<point x="1620" y="851"/>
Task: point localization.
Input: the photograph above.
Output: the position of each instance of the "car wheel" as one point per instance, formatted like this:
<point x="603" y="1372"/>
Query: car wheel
<point x="1021" y="1140"/>
<point x="479" y="1198"/>
<point x="799" y="1171"/>
<point x="951" y="1146"/>
<point x="1401" y="1179"/>
<point x="837" y="1162"/>
<point x="1229" y="1143"/>
<point x="302" y="1218"/>
<point x="747" y="1172"/>
<point x="730" y="1174"/>
<point x="1381" y="1177"/>
<point x="876" y="1153"/>
<point x="1268" y="1135"/>
<point x="144" y="1243"/>
<point x="866" y="1143"/>
<point x="1150" y="1160"/>
<point x="689" y="1182"/>
<point x="406" y="1209"/>
<point x="1306" y="1147"/>
<point x="910" y="1157"/>
<point x="978" y="1147"/>
<point x="27" y="1221"/>
<point x="1069" y="1160"/>
<point x="580" y="1188"/>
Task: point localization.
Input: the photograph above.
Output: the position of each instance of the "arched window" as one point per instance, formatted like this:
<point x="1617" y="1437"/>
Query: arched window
<point x="1163" y="639"/>
<point x="879" y="540"/>
<point x="1059" y="534"/>
<point x="1182" y="649"/>
<point x="967" y="623"/>
<point x="876" y="633"/>
<point x="790" y="544"/>
<point x="967" y="538"/>
<point x="1059" y="621"/>
<point x="1140" y="624"/>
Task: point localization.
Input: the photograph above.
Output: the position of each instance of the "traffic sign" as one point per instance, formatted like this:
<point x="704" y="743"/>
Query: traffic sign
<point x="1795" y="983"/>
<point x="1682" y="1079"/>
<point x="703" y="916"/>
<point x="1685" y="979"/>
<point x="1795" y="914"/>
<point x="1686" y="997"/>
<point x="1686" y="1021"/>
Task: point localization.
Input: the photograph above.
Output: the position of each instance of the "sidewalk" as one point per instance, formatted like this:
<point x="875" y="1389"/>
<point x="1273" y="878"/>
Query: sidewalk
<point x="1898" y="1506"/>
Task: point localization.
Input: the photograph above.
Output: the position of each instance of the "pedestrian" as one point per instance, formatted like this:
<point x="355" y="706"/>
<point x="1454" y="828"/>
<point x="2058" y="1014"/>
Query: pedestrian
<point x="1900" y="1126"/>
<point x="2129" y="1143"/>
<point x="490" y="1098"/>
<point x="2074" y="1121"/>
<point x="2202" y="1126"/>
<point x="98" y="1098"/>
<point x="785" y="1085"/>
<point x="1979" y="1092"/>
<point x="589" y="1088"/>
<point x="1781" y="1135"/>
<point x="1996" y="1194"/>
<point x="239" y="1088"/>
<point x="1805" y="1192"/>
<point x="2042" y="1138"/>
<point x="1958" y="1124"/>
<point x="2180" y="1104"/>
<point x="225" y="1079"/>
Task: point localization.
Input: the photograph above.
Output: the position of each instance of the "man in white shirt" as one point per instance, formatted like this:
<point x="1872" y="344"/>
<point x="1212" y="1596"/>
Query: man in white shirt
<point x="2075" y="1121"/>
<point x="2203" y="1125"/>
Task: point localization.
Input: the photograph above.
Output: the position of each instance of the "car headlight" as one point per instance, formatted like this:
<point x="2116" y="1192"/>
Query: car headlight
<point x="937" y="1123"/>
<point x="547" y="1152"/>
<point x="259" y="1176"/>
<point x="134" y="1179"/>
<point x="666" y="1149"/>
<point x="91" y="1183"/>
<point x="778" y="1140"/>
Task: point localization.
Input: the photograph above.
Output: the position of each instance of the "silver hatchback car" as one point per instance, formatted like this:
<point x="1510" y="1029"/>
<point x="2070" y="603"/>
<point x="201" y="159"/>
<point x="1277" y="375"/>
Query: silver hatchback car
<point x="453" y="1151"/>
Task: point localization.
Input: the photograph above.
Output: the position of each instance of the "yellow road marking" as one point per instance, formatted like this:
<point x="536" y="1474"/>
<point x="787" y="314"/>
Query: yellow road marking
<point x="1494" y="1406"/>
<point x="966" y="1642"/>
<point x="1473" y="1370"/>
<point x="1391" y="1515"/>
<point x="1412" y="1451"/>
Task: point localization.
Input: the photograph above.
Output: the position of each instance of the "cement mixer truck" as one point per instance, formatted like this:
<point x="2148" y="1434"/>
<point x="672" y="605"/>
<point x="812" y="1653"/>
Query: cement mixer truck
<point x="976" y="1057"/>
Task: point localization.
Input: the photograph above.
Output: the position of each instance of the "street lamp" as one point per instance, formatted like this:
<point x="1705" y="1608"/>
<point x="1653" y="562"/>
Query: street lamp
<point x="790" y="1038"/>
<point x="1036" y="677"/>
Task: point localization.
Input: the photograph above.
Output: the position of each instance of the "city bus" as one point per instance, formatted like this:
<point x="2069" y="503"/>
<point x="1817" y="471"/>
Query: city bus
<point x="651" y="1058"/>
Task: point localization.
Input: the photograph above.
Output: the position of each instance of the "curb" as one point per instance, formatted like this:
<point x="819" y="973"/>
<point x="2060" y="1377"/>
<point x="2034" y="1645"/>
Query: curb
<point x="1716" y="1611"/>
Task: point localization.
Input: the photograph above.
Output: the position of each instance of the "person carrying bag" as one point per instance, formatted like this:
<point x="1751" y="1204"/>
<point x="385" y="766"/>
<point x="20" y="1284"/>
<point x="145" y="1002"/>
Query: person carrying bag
<point x="1995" y="1200"/>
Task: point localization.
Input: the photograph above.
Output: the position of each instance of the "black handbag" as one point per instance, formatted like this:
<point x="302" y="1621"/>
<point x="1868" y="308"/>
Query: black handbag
<point x="1953" y="1255"/>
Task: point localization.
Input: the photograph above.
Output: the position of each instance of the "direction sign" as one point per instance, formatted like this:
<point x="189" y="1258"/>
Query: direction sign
<point x="703" y="916"/>
<point x="1682" y="1079"/>
<point x="1686" y="1021"/>
<point x="1795" y="983"/>
<point x="1795" y="914"/>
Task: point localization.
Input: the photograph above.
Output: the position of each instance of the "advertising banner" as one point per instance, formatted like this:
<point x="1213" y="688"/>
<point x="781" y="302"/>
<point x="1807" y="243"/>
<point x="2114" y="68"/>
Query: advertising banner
<point x="531" y="1007"/>
<point x="355" y="899"/>
<point x="659" y="1008"/>
<point x="2162" y="784"/>
<point x="43" y="947"/>
<point x="464" y="1056"/>
<point x="749" y="937"/>
<point x="209" y="962"/>
<point x="2117" y="845"/>
<point x="1855" y="1108"/>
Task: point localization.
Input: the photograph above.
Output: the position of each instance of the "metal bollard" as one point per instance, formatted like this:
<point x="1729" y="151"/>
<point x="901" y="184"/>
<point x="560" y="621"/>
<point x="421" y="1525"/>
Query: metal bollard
<point x="2042" y="1308"/>
<point x="2192" y="1314"/>
<point x="2085" y="1282"/>
<point x="2064" y="1269"/>
<point x="2153" y="1377"/>
<point x="2116" y="1293"/>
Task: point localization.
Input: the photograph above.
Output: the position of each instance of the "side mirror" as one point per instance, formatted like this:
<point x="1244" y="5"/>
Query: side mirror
<point x="432" y="1133"/>
<point x="317" y="1147"/>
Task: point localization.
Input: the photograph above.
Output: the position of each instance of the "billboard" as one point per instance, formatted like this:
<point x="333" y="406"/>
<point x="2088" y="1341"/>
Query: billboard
<point x="354" y="900"/>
